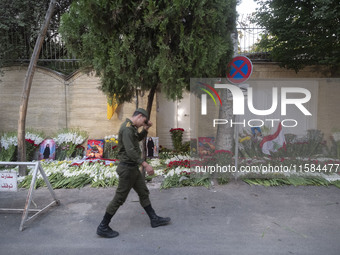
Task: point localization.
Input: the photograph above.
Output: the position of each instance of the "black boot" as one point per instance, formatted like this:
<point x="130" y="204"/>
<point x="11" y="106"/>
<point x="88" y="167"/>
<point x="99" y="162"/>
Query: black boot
<point x="155" y="220"/>
<point x="104" y="230"/>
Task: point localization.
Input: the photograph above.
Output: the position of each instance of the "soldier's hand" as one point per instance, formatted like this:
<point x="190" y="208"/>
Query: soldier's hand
<point x="148" y="168"/>
<point x="148" y="125"/>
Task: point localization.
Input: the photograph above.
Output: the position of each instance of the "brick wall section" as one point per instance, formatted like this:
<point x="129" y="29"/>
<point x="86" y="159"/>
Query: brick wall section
<point x="329" y="107"/>
<point x="328" y="118"/>
<point x="46" y="106"/>
<point x="273" y="70"/>
<point x="55" y="104"/>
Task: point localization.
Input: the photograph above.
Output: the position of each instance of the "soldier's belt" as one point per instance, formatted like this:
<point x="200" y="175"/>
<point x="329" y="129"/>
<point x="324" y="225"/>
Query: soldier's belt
<point x="128" y="164"/>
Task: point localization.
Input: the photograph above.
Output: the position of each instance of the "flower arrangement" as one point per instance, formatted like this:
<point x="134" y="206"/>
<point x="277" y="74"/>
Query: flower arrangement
<point x="63" y="175"/>
<point x="336" y="137"/>
<point x="310" y="145"/>
<point x="177" y="163"/>
<point x="67" y="140"/>
<point x="219" y="157"/>
<point x="176" y="137"/>
<point x="183" y="176"/>
<point x="111" y="147"/>
<point x="79" y="151"/>
<point x="9" y="143"/>
<point x="8" y="139"/>
<point x="32" y="139"/>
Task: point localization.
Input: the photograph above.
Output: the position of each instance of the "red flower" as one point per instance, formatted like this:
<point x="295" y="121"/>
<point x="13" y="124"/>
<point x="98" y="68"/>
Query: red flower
<point x="184" y="173"/>
<point x="223" y="151"/>
<point x="80" y="147"/>
<point x="30" y="141"/>
<point x="183" y="163"/>
<point x="176" y="129"/>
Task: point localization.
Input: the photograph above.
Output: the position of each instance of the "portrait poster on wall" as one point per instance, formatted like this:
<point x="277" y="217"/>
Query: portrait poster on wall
<point x="152" y="147"/>
<point x="47" y="149"/>
<point x="206" y="146"/>
<point x="95" y="148"/>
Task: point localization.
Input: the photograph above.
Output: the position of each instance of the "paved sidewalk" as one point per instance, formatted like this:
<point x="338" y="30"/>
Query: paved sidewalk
<point x="231" y="219"/>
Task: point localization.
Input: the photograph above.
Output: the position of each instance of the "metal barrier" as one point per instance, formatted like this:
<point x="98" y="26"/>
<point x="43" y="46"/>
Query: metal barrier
<point x="27" y="209"/>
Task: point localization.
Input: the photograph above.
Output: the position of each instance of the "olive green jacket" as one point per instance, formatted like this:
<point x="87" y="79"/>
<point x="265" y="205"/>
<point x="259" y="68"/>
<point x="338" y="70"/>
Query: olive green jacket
<point x="128" y="143"/>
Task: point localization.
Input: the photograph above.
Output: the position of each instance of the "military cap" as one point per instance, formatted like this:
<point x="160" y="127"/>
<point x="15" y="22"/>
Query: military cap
<point x="144" y="112"/>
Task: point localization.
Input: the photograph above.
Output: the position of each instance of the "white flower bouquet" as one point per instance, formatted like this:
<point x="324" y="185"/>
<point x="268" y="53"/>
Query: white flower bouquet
<point x="9" y="143"/>
<point x="67" y="140"/>
<point x="336" y="136"/>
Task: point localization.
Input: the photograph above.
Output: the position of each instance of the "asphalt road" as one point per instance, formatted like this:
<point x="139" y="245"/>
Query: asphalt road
<point x="230" y="219"/>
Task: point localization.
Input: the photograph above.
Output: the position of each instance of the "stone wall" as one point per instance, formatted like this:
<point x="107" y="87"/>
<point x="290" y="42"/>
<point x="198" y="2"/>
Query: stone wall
<point x="324" y="104"/>
<point x="328" y="106"/>
<point x="58" y="102"/>
<point x="46" y="106"/>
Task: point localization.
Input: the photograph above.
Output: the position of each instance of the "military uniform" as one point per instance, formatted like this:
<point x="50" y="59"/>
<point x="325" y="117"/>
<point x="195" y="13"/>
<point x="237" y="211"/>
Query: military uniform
<point x="129" y="154"/>
<point x="130" y="177"/>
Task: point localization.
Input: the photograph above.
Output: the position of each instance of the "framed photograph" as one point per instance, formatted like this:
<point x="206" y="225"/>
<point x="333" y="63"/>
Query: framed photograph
<point x="95" y="148"/>
<point x="206" y="146"/>
<point x="152" y="147"/>
<point x="47" y="149"/>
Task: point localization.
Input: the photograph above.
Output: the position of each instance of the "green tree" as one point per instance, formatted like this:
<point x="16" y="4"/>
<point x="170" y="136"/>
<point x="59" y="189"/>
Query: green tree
<point x="148" y="44"/>
<point x="301" y="33"/>
<point x="20" y="23"/>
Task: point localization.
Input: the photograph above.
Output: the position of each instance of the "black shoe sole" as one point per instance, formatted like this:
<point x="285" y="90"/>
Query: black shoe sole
<point x="107" y="235"/>
<point x="159" y="224"/>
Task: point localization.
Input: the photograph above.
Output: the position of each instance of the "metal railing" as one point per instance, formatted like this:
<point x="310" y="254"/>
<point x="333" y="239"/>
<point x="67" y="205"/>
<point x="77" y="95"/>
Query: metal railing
<point x="54" y="54"/>
<point x="249" y="35"/>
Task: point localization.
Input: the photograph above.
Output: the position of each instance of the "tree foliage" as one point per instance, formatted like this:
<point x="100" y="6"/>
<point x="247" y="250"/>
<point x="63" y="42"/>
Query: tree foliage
<point x="147" y="43"/>
<point x="301" y="32"/>
<point x="20" y="23"/>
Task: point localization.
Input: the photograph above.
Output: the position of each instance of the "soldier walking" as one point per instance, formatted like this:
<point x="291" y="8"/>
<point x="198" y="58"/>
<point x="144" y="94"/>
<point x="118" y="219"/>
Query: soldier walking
<point x="129" y="155"/>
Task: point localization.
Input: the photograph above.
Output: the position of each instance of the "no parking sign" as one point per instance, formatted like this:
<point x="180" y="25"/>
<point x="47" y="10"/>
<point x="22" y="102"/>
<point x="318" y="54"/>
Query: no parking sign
<point x="239" y="70"/>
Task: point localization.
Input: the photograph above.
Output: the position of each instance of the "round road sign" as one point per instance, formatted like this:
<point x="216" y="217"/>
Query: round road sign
<point x="240" y="69"/>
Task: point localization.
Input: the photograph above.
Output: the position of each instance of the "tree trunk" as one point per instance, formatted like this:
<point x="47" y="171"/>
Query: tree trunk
<point x="151" y="97"/>
<point x="225" y="133"/>
<point x="27" y="87"/>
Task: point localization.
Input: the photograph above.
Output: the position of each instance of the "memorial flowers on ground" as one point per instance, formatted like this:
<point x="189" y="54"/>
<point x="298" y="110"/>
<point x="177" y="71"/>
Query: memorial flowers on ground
<point x="336" y="138"/>
<point x="8" y="145"/>
<point x="111" y="146"/>
<point x="179" y="171"/>
<point x="62" y="174"/>
<point x="177" y="137"/>
<point x="32" y="139"/>
<point x="67" y="140"/>
<point x="178" y="168"/>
